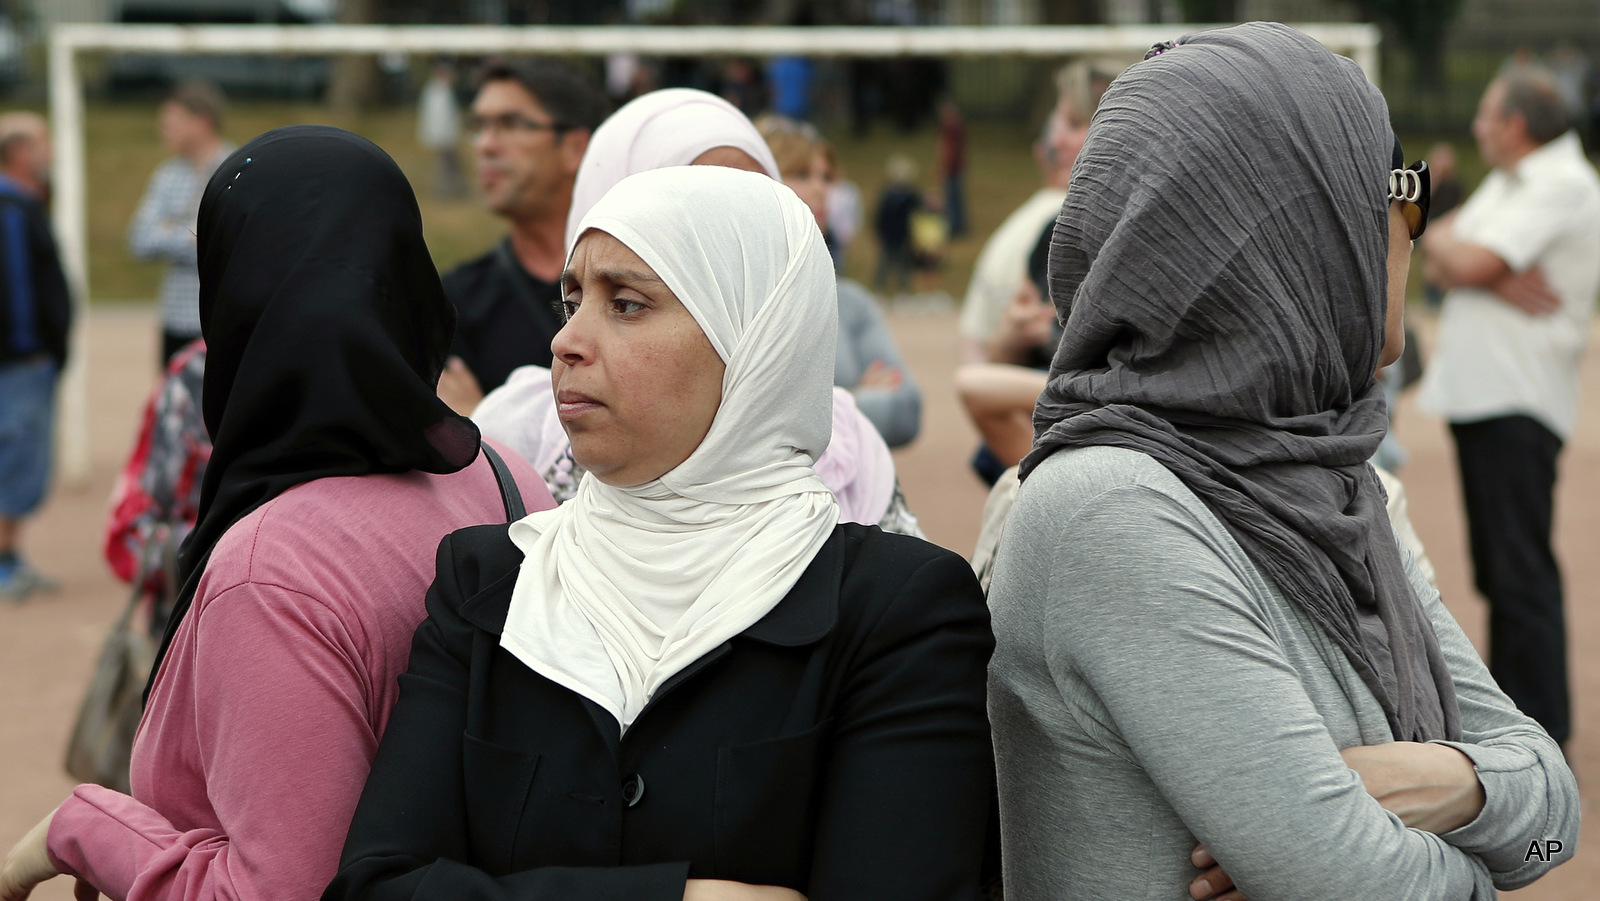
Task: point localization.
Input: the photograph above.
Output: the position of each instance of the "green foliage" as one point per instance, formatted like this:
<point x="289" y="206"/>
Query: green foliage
<point x="1420" y="27"/>
<point x="1208" y="10"/>
<point x="123" y="149"/>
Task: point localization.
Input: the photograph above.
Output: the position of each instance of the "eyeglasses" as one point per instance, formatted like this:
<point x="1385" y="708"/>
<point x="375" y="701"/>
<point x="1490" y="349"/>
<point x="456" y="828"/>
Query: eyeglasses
<point x="511" y="124"/>
<point x="1411" y="187"/>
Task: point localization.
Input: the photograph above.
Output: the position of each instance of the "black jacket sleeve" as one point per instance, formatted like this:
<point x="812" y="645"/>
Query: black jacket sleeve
<point x="408" y="839"/>
<point x="904" y="808"/>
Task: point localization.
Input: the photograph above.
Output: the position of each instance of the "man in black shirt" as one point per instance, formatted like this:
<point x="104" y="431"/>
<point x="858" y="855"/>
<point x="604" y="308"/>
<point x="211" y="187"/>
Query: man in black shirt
<point x="530" y="126"/>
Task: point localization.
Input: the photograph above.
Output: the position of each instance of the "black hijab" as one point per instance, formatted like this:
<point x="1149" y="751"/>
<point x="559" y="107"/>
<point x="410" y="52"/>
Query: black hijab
<point x="1220" y="268"/>
<point x="326" y="330"/>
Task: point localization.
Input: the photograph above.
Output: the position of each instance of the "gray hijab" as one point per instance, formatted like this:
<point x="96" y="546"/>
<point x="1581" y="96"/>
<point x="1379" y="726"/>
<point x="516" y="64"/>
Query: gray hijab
<point x="1219" y="267"/>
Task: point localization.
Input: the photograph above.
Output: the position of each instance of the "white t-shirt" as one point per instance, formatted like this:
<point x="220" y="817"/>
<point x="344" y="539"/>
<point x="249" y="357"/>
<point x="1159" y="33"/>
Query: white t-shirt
<point x="1491" y="358"/>
<point x="438" y="116"/>
<point x="1003" y="263"/>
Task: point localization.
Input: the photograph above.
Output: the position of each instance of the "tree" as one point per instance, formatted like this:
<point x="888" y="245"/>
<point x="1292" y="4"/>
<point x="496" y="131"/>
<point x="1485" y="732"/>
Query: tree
<point x="1208" y="10"/>
<point x="1418" y="26"/>
<point x="1071" y="12"/>
<point x="355" y="82"/>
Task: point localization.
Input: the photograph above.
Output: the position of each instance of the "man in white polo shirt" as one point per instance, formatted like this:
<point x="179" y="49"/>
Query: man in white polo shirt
<point x="1521" y="261"/>
<point x="998" y="326"/>
<point x="1001" y="269"/>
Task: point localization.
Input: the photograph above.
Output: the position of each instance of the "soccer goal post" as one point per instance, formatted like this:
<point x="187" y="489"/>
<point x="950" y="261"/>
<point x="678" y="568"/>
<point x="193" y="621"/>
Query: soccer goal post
<point x="69" y="41"/>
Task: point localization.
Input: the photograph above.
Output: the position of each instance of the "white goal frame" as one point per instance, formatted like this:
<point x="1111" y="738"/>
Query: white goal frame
<point x="68" y="41"/>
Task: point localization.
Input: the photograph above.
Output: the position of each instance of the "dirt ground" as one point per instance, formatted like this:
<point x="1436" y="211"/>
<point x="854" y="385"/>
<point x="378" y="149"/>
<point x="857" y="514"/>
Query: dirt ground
<point x="48" y="645"/>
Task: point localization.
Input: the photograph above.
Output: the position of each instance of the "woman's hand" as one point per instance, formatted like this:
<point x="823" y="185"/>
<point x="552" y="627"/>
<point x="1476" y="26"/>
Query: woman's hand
<point x="28" y="864"/>
<point x="1429" y="786"/>
<point x="724" y="890"/>
<point x="1214" y="884"/>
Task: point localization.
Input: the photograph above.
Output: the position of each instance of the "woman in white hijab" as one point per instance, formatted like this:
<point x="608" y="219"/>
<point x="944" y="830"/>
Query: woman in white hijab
<point x="681" y="127"/>
<point x="689" y="681"/>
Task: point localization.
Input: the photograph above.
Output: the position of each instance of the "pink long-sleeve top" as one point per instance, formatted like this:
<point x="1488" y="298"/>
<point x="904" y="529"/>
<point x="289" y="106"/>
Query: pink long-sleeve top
<point x="270" y="703"/>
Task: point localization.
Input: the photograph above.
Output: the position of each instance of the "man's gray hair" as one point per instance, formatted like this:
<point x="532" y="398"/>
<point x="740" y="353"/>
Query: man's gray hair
<point x="1532" y="92"/>
<point x="1080" y="83"/>
<point x="18" y="129"/>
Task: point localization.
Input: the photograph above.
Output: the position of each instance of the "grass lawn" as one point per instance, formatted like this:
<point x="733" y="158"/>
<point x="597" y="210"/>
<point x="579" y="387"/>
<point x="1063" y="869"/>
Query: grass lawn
<point x="123" y="150"/>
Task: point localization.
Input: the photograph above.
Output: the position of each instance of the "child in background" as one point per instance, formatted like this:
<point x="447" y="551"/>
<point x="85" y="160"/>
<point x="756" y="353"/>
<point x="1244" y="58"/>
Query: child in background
<point x="899" y="201"/>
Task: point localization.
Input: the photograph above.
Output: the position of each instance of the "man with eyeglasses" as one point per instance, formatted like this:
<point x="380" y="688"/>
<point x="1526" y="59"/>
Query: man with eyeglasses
<point x="1520" y="263"/>
<point x="530" y="126"/>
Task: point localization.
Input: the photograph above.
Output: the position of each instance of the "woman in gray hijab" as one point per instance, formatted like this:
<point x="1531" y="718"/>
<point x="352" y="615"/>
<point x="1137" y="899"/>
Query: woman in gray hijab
<point x="1207" y="633"/>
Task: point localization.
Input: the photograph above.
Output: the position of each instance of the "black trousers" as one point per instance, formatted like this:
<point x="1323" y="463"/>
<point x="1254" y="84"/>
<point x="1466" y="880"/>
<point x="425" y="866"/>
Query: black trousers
<point x="1508" y="480"/>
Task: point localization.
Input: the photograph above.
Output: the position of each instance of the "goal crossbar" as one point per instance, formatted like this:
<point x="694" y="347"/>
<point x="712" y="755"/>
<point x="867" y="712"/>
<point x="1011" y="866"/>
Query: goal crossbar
<point x="69" y="41"/>
<point x="1032" y="40"/>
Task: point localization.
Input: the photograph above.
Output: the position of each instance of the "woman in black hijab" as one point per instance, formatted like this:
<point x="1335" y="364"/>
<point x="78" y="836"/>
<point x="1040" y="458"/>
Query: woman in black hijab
<point x="1206" y="631"/>
<point x="336" y="471"/>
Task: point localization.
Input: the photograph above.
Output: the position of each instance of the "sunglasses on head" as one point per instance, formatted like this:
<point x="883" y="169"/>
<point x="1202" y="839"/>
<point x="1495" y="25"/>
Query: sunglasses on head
<point x="1411" y="187"/>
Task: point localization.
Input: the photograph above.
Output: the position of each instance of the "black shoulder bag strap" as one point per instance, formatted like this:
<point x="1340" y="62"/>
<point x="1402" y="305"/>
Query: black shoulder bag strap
<point x="510" y="495"/>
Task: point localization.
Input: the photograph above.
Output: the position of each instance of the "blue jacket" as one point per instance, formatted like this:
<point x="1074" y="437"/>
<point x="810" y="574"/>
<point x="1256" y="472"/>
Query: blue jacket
<point x="35" y="310"/>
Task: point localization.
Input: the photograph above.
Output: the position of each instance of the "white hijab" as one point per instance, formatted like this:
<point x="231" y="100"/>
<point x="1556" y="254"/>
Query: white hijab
<point x="621" y="588"/>
<point x="669" y="127"/>
<point x="521" y="414"/>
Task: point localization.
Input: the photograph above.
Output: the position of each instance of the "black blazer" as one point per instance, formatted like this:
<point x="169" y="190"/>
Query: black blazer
<point x="839" y="747"/>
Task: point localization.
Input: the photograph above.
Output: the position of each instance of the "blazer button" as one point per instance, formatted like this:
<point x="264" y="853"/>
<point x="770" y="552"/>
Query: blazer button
<point x="633" y="789"/>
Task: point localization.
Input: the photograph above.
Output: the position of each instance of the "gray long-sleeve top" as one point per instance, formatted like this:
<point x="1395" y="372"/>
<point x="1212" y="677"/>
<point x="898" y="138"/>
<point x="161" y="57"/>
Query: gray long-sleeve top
<point x="864" y="337"/>
<point x="1151" y="689"/>
<point x="163" y="229"/>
